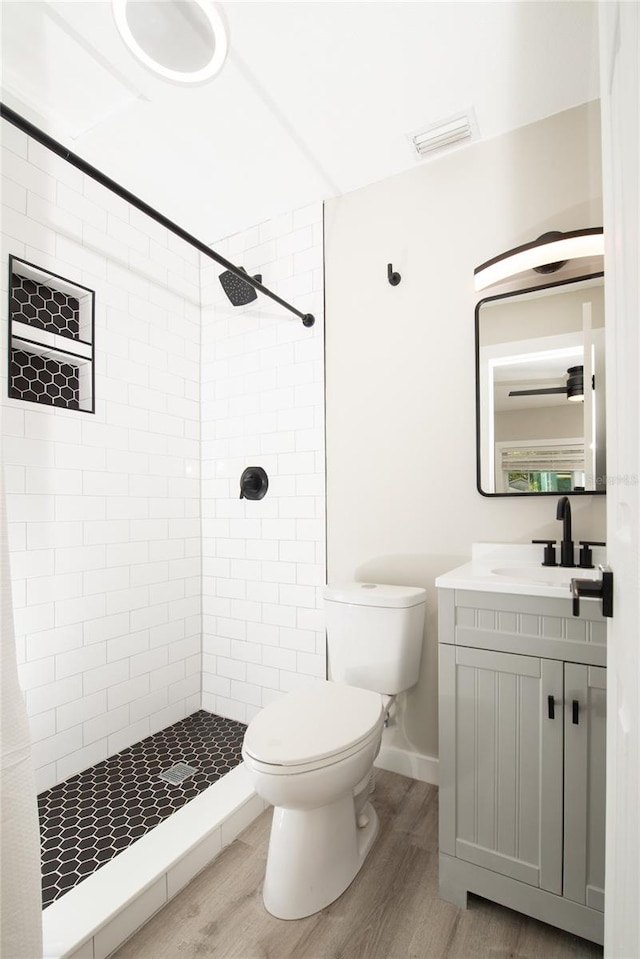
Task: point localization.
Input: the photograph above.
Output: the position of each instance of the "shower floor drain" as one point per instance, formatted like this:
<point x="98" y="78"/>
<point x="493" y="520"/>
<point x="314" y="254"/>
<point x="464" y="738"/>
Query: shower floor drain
<point x="177" y="774"/>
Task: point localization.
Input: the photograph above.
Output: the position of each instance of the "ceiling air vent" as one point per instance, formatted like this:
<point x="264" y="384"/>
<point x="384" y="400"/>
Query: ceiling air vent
<point x="444" y="134"/>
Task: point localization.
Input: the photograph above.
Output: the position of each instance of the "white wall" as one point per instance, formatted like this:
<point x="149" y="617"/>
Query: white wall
<point x="104" y="509"/>
<point x="505" y="320"/>
<point x="540" y="422"/>
<point x="402" y="504"/>
<point x="263" y="405"/>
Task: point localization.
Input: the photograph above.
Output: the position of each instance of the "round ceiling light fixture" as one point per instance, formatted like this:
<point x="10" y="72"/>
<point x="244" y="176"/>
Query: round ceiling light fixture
<point x="180" y="40"/>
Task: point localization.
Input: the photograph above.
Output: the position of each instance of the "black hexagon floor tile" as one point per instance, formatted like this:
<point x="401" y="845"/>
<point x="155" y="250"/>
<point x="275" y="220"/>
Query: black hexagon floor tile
<point x="90" y="818"/>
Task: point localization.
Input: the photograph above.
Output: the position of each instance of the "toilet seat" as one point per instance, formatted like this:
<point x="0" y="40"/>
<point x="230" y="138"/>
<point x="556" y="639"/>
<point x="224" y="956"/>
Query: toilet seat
<point x="313" y="728"/>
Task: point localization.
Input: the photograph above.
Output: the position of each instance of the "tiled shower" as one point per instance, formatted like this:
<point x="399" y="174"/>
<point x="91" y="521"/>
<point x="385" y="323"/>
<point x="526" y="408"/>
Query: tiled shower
<point x="144" y="589"/>
<point x="263" y="404"/>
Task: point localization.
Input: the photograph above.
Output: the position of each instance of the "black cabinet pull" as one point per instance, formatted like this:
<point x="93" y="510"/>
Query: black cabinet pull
<point x="552" y="707"/>
<point x="575" y="712"/>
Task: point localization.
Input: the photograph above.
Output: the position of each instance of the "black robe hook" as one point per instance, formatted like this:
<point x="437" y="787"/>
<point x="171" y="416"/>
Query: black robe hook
<point x="393" y="278"/>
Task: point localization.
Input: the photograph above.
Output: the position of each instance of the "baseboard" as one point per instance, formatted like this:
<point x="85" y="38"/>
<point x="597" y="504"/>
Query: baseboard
<point x="407" y="763"/>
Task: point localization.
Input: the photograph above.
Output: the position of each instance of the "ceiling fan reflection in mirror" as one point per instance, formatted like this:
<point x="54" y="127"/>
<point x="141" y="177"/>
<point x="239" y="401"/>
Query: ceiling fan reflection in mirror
<point x="574" y="387"/>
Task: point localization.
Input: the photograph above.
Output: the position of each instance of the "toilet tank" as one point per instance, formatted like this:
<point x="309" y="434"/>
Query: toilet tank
<point x="374" y="635"/>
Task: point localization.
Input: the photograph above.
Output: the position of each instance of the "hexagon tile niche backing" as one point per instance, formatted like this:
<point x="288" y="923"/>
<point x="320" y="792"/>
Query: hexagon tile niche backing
<point x="43" y="380"/>
<point x="43" y="307"/>
<point x="51" y="338"/>
<point x="90" y="818"/>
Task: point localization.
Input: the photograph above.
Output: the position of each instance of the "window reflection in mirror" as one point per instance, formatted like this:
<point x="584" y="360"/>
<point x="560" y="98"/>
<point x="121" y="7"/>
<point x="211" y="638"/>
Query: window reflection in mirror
<point x="540" y="390"/>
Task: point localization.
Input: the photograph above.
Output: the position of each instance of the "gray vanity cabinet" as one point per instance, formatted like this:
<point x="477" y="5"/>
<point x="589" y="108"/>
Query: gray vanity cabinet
<point x="503" y="761"/>
<point x="522" y="750"/>
<point x="584" y="812"/>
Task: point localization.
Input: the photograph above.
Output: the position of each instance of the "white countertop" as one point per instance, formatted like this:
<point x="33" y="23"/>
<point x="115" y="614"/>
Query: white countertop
<point x="517" y="568"/>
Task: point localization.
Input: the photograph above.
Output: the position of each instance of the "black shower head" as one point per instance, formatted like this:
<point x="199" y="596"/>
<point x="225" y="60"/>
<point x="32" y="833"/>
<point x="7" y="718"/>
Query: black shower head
<point x="239" y="292"/>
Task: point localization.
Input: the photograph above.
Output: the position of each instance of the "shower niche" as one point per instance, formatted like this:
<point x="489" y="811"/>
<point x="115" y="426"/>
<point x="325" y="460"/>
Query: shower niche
<point x="51" y="338"/>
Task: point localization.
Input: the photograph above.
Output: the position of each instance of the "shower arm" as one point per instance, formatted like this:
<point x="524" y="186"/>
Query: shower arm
<point x="36" y="134"/>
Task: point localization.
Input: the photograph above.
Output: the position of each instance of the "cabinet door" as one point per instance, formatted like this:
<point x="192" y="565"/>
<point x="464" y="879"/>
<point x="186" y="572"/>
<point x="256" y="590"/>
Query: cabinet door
<point x="501" y="763"/>
<point x="585" y="762"/>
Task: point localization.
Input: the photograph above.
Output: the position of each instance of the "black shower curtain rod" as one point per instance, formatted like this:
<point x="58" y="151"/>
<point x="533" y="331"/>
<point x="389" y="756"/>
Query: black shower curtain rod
<point x="35" y="133"/>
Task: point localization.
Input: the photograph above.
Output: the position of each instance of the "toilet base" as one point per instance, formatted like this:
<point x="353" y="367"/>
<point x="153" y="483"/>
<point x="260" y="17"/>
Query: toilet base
<point x="314" y="855"/>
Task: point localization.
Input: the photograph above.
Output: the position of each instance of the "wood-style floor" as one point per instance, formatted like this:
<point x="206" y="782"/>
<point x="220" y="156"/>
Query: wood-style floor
<point x="391" y="910"/>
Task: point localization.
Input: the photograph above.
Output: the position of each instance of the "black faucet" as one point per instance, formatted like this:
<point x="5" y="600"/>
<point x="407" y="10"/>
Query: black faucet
<point x="563" y="512"/>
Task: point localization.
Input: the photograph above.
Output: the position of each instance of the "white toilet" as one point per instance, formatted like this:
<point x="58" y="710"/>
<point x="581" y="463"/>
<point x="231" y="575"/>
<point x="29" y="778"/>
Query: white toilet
<point x="311" y="753"/>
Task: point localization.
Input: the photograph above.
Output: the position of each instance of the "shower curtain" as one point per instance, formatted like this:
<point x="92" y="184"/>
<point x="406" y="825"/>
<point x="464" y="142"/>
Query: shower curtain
<point x="20" y="890"/>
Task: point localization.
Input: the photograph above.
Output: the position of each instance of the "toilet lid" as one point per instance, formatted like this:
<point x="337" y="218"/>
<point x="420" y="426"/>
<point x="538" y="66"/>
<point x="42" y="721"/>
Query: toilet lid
<point x="312" y="724"/>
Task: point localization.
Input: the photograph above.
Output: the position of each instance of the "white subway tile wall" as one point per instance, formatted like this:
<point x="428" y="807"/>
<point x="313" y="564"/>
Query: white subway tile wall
<point x="112" y="565"/>
<point x="104" y="509"/>
<point x="263" y="405"/>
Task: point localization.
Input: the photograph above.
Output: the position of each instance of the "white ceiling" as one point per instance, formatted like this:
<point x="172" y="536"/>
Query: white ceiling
<point x="315" y="98"/>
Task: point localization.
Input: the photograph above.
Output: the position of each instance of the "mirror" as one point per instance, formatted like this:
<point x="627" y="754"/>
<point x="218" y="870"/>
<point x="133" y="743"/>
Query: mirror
<point x="540" y="390"/>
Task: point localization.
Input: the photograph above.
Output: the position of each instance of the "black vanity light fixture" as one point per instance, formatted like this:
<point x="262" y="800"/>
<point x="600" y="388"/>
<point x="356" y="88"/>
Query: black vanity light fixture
<point x="549" y="253"/>
<point x="574" y="389"/>
<point x="546" y="268"/>
<point x="184" y="41"/>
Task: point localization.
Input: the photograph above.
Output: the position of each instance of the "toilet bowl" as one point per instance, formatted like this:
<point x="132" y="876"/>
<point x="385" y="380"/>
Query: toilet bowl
<point x="311" y="754"/>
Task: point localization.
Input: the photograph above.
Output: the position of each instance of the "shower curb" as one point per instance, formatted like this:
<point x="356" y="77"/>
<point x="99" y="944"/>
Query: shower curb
<point x="95" y="917"/>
